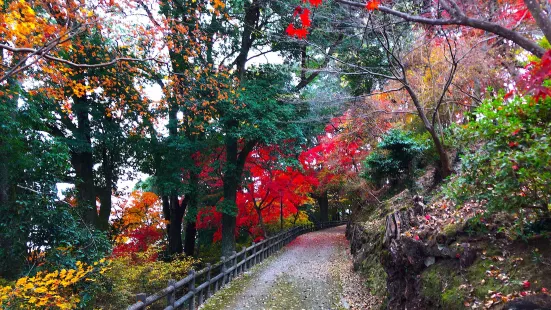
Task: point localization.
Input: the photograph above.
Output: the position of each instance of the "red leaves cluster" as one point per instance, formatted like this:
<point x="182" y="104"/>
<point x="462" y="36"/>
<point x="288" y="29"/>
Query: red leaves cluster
<point x="299" y="33"/>
<point x="139" y="241"/>
<point x="306" y="22"/>
<point x="267" y="187"/>
<point x="314" y="3"/>
<point x="372" y="5"/>
<point x="538" y="72"/>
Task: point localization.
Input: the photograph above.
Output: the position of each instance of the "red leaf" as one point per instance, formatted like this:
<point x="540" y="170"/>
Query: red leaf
<point x="297" y="11"/>
<point x="538" y="72"/>
<point x="315" y="3"/>
<point x="305" y="18"/>
<point x="290" y="31"/>
<point x="372" y="5"/>
<point x="526" y="284"/>
<point x="301" y="33"/>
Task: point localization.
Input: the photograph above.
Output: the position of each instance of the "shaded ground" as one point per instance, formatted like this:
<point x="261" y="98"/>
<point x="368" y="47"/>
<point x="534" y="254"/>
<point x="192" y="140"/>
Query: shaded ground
<point x="312" y="272"/>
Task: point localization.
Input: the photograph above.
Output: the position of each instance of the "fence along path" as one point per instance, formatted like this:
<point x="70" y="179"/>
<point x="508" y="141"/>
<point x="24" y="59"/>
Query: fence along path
<point x="192" y="291"/>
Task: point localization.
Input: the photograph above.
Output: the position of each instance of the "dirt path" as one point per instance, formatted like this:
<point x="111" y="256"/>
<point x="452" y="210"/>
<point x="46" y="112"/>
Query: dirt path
<point x="312" y="272"/>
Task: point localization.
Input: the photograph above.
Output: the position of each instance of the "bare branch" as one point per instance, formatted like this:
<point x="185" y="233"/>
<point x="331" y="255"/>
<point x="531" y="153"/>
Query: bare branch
<point x="462" y="20"/>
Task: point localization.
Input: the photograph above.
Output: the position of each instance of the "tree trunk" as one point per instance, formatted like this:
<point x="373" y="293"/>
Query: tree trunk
<point x="323" y="202"/>
<point x="105" y="209"/>
<point x="191" y="233"/>
<point x="541" y="14"/>
<point x="235" y="162"/>
<point x="228" y="234"/>
<point x="82" y="160"/>
<point x="166" y="215"/>
<point x="444" y="160"/>
<point x="191" y="217"/>
<point x="228" y="216"/>
<point x="445" y="163"/>
<point x="261" y="222"/>
<point x="177" y="211"/>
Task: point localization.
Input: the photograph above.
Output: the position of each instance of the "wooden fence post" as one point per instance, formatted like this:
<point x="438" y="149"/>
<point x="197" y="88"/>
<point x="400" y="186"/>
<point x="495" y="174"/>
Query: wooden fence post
<point x="209" y="267"/>
<point x="234" y="265"/>
<point x="244" y="250"/>
<point x="254" y="255"/>
<point x="250" y="264"/>
<point x="171" y="297"/>
<point x="223" y="270"/>
<point x="191" y="288"/>
<point x="141" y="297"/>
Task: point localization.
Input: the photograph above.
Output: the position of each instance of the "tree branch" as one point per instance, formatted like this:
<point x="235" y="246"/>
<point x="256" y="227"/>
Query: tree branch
<point x="461" y="20"/>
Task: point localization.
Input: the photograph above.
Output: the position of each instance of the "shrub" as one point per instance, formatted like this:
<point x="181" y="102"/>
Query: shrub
<point x="61" y="289"/>
<point x="394" y="159"/>
<point x="125" y="278"/>
<point x="510" y="168"/>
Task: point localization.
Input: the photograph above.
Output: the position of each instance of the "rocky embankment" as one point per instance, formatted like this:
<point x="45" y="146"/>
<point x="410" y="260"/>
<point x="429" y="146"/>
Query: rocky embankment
<point x="439" y="256"/>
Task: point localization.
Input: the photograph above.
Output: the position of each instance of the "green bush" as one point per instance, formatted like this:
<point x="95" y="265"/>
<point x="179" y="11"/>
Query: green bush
<point x="394" y="159"/>
<point x="509" y="166"/>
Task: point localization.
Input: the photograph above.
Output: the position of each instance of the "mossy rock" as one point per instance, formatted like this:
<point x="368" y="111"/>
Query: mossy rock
<point x="441" y="285"/>
<point x="375" y="274"/>
<point x="451" y="230"/>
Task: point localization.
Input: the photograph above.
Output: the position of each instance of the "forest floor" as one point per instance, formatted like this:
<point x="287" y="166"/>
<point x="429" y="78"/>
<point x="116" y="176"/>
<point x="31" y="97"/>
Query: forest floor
<point x="312" y="272"/>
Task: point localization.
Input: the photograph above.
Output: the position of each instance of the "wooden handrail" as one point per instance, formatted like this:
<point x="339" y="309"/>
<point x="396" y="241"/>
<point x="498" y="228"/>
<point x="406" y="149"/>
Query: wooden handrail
<point x="230" y="268"/>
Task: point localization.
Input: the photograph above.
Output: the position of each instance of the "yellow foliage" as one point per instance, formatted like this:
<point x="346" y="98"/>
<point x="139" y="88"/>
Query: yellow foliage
<point x="53" y="290"/>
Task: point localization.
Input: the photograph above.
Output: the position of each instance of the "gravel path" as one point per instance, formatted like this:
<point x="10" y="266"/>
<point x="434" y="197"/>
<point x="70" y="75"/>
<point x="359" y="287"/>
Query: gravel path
<point x="309" y="273"/>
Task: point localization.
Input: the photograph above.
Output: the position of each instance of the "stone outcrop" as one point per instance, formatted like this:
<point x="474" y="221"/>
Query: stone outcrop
<point x="384" y="248"/>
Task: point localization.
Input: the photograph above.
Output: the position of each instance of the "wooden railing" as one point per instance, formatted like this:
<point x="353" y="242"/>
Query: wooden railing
<point x="187" y="293"/>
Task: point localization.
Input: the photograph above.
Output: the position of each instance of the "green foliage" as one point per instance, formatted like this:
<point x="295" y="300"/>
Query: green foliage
<point x="509" y="166"/>
<point x="37" y="230"/>
<point x="395" y="158"/>
<point x="227" y="207"/>
<point x="260" y="107"/>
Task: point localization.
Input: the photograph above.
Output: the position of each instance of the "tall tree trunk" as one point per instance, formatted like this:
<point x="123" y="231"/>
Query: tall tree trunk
<point x="105" y="209"/>
<point x="83" y="162"/>
<point x="261" y="222"/>
<point x="105" y="192"/>
<point x="323" y="202"/>
<point x="191" y="217"/>
<point x="235" y="162"/>
<point x="230" y="180"/>
<point x="14" y="248"/>
<point x="166" y="215"/>
<point x="191" y="233"/>
<point x="177" y="211"/>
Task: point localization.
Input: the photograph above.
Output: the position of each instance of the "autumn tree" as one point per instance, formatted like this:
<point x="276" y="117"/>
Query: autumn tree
<point x="137" y="224"/>
<point x="272" y="189"/>
<point x="36" y="35"/>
